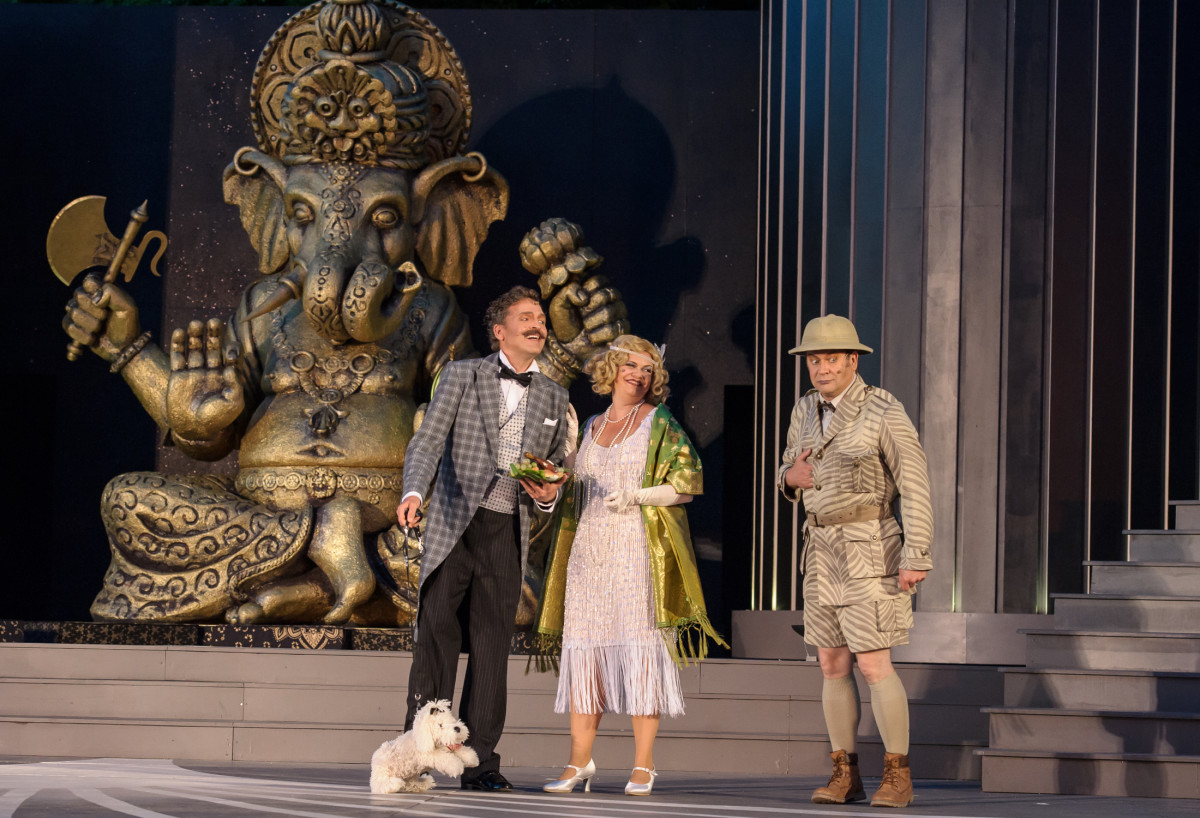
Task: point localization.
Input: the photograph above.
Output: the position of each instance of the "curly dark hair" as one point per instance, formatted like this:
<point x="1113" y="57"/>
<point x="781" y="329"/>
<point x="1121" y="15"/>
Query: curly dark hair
<point x="499" y="308"/>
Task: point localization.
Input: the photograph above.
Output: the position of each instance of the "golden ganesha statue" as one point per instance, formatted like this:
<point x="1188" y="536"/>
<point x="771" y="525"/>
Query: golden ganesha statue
<point x="364" y="210"/>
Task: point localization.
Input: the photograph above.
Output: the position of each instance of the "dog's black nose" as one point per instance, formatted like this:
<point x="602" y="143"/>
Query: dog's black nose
<point x="458" y="729"/>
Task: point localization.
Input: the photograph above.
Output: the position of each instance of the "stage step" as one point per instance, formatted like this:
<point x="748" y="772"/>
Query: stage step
<point x="1109" y="700"/>
<point x="338" y="706"/>
<point x="1094" y="731"/>
<point x="1187" y="514"/>
<point x="1080" y="689"/>
<point x="766" y="716"/>
<point x="1172" y="545"/>
<point x="1110" y="774"/>
<point x="521" y="746"/>
<point x="1115" y="650"/>
<point x="1136" y="578"/>
<point x="1116" y="612"/>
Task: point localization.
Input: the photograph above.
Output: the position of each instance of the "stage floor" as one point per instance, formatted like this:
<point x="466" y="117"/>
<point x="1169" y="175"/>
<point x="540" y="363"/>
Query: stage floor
<point x="161" y="788"/>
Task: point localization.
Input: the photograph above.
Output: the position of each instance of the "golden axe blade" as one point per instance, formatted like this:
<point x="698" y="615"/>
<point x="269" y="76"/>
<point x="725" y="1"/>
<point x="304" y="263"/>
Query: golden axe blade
<point x="79" y="239"/>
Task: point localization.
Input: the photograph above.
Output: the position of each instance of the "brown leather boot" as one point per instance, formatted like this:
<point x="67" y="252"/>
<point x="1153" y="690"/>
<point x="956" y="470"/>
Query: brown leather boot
<point x="844" y="785"/>
<point x="895" y="790"/>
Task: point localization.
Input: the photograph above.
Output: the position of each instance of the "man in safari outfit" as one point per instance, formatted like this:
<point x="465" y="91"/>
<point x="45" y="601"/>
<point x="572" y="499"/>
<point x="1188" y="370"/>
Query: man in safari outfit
<point x="851" y="451"/>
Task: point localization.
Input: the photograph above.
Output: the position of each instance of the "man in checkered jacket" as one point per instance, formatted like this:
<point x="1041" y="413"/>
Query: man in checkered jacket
<point x="485" y="414"/>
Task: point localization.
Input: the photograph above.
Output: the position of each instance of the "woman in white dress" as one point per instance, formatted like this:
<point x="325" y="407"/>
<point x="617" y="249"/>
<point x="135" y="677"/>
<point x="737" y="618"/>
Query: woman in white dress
<point x="621" y="585"/>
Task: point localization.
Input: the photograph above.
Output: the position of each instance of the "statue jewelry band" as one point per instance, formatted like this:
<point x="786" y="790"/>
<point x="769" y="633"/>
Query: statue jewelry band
<point x="321" y="483"/>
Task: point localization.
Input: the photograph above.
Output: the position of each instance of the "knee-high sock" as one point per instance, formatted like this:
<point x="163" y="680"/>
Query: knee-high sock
<point x="889" y="703"/>
<point x="839" y="700"/>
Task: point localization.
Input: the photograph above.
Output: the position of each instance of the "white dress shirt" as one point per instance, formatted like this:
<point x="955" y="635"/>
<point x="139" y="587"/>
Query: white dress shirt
<point x="827" y="417"/>
<point x="512" y="391"/>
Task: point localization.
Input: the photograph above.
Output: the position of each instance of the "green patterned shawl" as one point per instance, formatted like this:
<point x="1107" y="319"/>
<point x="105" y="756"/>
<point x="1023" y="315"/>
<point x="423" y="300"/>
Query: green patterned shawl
<point x="678" y="597"/>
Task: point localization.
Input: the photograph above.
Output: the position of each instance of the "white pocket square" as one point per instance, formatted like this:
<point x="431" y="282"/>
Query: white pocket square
<point x="550" y="422"/>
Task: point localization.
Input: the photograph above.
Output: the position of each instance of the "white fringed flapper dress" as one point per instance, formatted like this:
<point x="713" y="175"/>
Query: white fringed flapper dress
<point x="614" y="658"/>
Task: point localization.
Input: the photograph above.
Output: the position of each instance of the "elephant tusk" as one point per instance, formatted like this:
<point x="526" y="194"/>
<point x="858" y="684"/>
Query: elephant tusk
<point x="290" y="287"/>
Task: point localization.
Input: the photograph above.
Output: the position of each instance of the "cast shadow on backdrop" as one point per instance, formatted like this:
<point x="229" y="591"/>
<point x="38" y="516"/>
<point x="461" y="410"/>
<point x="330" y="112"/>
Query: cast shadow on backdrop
<point x="601" y="159"/>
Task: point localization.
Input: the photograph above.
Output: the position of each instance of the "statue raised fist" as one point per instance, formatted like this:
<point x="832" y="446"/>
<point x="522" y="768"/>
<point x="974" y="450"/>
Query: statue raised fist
<point x="585" y="313"/>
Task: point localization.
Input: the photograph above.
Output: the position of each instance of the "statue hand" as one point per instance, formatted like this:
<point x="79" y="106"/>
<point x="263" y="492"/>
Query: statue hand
<point x="586" y="315"/>
<point x="102" y="317"/>
<point x="555" y="252"/>
<point x="204" y="395"/>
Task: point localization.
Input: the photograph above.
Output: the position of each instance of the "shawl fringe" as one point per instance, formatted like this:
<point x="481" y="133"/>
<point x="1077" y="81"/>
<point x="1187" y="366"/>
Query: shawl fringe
<point x="692" y="634"/>
<point x="547" y="650"/>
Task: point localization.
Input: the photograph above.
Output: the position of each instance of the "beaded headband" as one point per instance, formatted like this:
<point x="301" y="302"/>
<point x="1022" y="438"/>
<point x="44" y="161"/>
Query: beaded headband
<point x="661" y="349"/>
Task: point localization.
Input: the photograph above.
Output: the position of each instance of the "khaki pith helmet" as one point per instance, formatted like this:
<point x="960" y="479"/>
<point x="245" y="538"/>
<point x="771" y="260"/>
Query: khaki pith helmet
<point x="830" y="333"/>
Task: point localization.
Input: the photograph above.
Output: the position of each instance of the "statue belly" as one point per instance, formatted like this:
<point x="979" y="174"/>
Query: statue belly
<point x="284" y="464"/>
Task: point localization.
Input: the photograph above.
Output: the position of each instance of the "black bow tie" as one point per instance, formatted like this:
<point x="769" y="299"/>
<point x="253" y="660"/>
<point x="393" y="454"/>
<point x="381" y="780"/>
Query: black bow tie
<point x="522" y="378"/>
<point x="825" y="406"/>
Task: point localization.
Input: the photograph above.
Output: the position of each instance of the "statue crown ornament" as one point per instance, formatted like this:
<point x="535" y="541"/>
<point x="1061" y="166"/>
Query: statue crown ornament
<point x="373" y="83"/>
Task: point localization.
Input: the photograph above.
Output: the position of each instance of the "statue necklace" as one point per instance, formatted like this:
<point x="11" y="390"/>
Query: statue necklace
<point x="326" y="380"/>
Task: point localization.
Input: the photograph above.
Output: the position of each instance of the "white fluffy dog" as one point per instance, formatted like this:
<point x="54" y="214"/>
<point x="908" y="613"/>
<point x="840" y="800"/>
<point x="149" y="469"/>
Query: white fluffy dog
<point x="435" y="742"/>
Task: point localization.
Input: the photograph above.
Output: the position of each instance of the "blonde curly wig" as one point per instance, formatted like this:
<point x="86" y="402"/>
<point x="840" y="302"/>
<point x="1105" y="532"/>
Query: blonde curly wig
<point x="604" y="365"/>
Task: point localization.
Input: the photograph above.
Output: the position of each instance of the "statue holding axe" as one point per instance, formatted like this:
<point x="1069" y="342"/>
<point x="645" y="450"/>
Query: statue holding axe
<point x="100" y="316"/>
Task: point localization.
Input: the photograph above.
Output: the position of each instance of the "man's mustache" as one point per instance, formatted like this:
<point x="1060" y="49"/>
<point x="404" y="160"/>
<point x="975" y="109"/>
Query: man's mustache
<point x="541" y="336"/>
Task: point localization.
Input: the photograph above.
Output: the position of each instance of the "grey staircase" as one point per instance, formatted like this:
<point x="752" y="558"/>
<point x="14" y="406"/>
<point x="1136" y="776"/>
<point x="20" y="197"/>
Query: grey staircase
<point x="1108" y="702"/>
<point x="337" y="706"/>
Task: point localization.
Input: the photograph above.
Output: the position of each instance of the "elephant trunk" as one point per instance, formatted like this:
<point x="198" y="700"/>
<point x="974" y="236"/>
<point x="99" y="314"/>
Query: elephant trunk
<point x="323" y="295"/>
<point x="370" y="307"/>
<point x="373" y="307"/>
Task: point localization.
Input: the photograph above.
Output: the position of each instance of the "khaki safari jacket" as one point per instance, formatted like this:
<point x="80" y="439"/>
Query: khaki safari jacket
<point x="854" y="547"/>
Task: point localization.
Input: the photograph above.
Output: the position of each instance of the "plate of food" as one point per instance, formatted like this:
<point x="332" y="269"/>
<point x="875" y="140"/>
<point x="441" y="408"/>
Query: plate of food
<point x="537" y="469"/>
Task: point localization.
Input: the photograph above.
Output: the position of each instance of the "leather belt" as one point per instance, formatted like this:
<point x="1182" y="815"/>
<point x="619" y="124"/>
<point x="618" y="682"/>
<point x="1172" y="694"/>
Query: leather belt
<point x="854" y="514"/>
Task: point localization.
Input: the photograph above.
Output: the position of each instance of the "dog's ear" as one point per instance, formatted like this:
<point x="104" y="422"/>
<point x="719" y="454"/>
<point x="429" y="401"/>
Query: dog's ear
<point x="423" y="736"/>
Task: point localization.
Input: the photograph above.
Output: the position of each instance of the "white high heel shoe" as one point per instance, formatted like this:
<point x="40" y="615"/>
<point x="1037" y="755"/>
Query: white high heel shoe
<point x="584" y="774"/>
<point x="641" y="789"/>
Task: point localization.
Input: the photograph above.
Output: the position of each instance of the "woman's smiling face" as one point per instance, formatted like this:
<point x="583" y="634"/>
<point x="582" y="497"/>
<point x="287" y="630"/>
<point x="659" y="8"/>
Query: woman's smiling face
<point x="634" y="378"/>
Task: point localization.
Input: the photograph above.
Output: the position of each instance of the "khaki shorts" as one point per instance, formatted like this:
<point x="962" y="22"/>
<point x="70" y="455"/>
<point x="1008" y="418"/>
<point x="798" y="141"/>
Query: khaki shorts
<point x="863" y="627"/>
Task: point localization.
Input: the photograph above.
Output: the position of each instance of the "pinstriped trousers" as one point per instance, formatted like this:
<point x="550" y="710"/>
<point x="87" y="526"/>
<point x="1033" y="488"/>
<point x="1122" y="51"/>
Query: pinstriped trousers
<point x="484" y="570"/>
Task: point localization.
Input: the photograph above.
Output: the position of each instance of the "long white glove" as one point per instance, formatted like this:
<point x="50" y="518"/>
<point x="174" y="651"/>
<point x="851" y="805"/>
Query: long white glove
<point x="572" y="442"/>
<point x="665" y="495"/>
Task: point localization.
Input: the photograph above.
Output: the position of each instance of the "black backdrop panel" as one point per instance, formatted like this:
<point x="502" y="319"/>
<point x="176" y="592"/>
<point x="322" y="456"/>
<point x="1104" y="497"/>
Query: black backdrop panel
<point x="91" y="115"/>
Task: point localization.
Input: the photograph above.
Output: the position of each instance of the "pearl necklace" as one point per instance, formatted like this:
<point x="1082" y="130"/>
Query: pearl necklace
<point x="593" y="470"/>
<point x="622" y="435"/>
<point x="624" y="432"/>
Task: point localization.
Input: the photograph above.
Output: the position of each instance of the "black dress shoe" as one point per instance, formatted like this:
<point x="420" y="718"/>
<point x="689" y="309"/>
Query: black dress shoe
<point x="491" y="781"/>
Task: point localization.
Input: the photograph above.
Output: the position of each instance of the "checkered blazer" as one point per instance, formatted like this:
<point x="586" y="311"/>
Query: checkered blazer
<point x="457" y="442"/>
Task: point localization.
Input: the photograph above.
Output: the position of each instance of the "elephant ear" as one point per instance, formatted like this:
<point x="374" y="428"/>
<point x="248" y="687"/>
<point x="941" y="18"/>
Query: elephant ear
<point x="457" y="216"/>
<point x="254" y="183"/>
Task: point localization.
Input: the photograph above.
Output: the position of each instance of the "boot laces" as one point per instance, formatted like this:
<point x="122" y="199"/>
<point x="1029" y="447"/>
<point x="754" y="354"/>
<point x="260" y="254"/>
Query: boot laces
<point x="891" y="775"/>
<point x="841" y="774"/>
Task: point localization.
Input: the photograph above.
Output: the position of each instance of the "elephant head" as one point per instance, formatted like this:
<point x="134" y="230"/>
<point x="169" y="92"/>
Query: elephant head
<point x="342" y="232"/>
